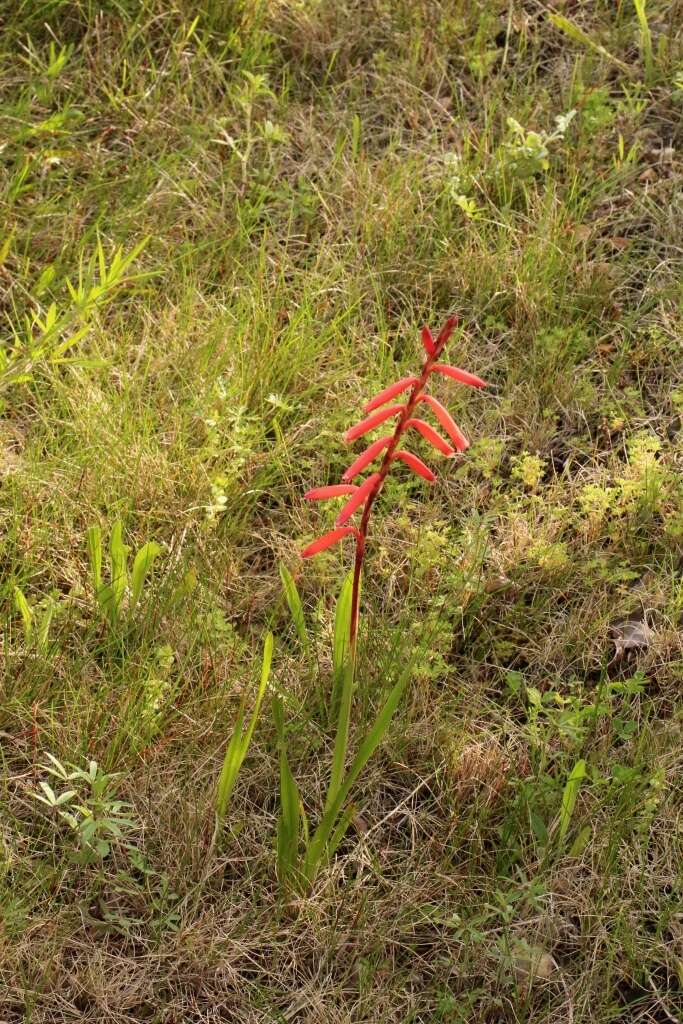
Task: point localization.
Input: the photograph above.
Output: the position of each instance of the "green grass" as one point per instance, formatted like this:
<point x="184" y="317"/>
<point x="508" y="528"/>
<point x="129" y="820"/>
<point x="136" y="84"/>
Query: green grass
<point x="299" y="186"/>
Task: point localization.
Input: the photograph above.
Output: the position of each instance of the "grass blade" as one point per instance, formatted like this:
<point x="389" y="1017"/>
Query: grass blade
<point x="579" y="36"/>
<point x="239" y="743"/>
<point x="569" y="795"/>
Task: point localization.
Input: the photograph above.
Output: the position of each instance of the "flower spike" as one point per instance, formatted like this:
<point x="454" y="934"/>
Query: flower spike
<point x="327" y="540"/>
<point x="431" y="435"/>
<point x="370" y="453"/>
<point x="460" y="375"/>
<point x="447" y="422"/>
<point x="364" y="496"/>
<point x="372" y="421"/>
<point x="359" y="497"/>
<point x="391" y="392"/>
<point x="417" y="465"/>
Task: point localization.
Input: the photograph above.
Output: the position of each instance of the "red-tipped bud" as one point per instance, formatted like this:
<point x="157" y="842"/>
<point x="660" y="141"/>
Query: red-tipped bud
<point x="447" y="422"/>
<point x="372" y="421"/>
<point x="428" y="341"/>
<point x="370" y="453"/>
<point x="391" y="392"/>
<point x="327" y="540"/>
<point x="334" y="491"/>
<point x="431" y="435"/>
<point x="461" y="375"/>
<point x="359" y="497"/>
<point x="446" y="331"/>
<point x="417" y="465"/>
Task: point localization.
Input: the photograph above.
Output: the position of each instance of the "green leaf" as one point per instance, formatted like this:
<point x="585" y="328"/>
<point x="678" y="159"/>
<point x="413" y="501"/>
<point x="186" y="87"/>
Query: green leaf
<point x="318" y="845"/>
<point x="342" y="625"/>
<point x="118" y="552"/>
<point x="341" y="739"/>
<point x="24" y="609"/>
<point x="569" y="795"/>
<point x="294" y="603"/>
<point x="288" y="828"/>
<point x="143" y="562"/>
<point x="94" y="543"/>
<point x="44" y="624"/>
<point x="239" y="743"/>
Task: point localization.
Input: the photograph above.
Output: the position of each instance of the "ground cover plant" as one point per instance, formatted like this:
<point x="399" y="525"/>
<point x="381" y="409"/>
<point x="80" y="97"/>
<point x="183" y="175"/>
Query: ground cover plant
<point x="222" y="223"/>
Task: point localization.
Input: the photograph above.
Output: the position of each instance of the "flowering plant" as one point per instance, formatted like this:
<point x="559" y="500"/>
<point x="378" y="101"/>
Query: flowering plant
<point x="360" y="498"/>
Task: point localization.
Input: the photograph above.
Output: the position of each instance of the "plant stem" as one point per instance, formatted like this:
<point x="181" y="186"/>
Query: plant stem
<point x="403" y="419"/>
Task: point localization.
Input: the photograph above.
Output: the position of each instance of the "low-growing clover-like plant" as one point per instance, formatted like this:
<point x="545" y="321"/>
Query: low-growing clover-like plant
<point x="321" y="843"/>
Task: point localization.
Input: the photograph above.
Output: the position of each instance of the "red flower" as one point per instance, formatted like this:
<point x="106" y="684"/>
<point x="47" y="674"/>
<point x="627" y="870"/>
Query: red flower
<point x="417" y="465"/>
<point x="327" y="540"/>
<point x="370" y="453"/>
<point x="391" y="392"/>
<point x="359" y="497"/>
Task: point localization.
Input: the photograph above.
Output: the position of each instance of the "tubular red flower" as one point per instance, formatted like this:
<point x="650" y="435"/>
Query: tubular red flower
<point x="371" y="452"/>
<point x="431" y="435"/>
<point x="461" y="375"/>
<point x="334" y="491"/>
<point x="446" y="331"/>
<point x="428" y="341"/>
<point x="391" y="392"/>
<point x="372" y="421"/>
<point x="359" y="497"/>
<point x="417" y="465"/>
<point x="447" y="422"/>
<point x="327" y="540"/>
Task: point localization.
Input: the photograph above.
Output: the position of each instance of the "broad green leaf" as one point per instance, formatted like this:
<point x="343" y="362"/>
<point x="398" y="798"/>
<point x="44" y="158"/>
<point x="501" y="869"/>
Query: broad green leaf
<point x="118" y="552"/>
<point x="342" y="624"/>
<point x="44" y="624"/>
<point x="294" y="603"/>
<point x="24" y="609"/>
<point x="143" y="562"/>
<point x="94" y="544"/>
